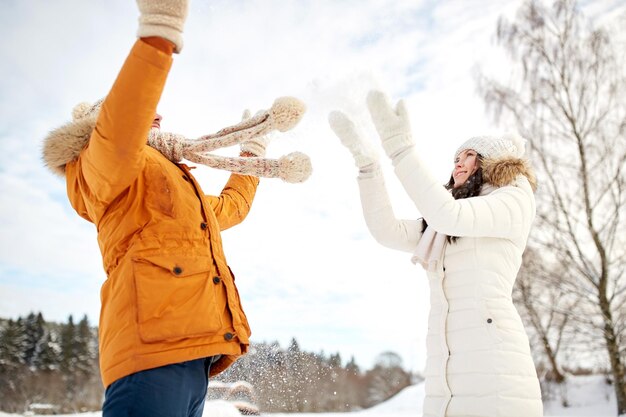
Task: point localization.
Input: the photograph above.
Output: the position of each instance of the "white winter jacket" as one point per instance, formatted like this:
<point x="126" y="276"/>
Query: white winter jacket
<point x="478" y="356"/>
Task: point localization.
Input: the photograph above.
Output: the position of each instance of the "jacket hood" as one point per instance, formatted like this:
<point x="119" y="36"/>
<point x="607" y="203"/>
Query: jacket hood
<point x="64" y="144"/>
<point x="504" y="171"/>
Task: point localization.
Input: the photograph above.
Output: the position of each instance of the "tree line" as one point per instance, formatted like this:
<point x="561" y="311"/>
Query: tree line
<point x="48" y="363"/>
<point x="293" y="380"/>
<point x="56" y="365"/>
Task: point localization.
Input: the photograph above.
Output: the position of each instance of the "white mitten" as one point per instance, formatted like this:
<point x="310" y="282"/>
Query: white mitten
<point x="392" y="124"/>
<point x="163" y="18"/>
<point x="255" y="145"/>
<point x="364" y="156"/>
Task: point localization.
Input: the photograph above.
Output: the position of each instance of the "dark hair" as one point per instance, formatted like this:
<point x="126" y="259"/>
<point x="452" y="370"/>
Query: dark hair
<point x="470" y="188"/>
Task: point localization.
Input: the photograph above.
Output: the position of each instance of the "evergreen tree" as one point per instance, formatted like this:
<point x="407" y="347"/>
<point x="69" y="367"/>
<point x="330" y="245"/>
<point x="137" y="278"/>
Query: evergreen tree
<point x="33" y="337"/>
<point x="68" y="346"/>
<point x="82" y="347"/>
<point x="12" y="344"/>
<point x="335" y="360"/>
<point x="49" y="352"/>
<point x="295" y="385"/>
<point x="355" y="380"/>
<point x="352" y="368"/>
<point x="11" y="364"/>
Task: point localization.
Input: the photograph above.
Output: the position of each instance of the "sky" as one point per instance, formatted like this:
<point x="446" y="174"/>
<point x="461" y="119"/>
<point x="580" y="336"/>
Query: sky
<point x="306" y="265"/>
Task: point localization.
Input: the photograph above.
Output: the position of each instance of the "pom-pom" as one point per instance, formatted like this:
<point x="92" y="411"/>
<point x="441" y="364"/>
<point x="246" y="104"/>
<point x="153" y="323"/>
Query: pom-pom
<point x="81" y="110"/>
<point x="295" y="167"/>
<point x="286" y="112"/>
<point x="85" y="109"/>
<point x="517" y="141"/>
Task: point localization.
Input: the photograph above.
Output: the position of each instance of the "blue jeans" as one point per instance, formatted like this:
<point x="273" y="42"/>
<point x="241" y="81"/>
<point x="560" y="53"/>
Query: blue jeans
<point x="176" y="390"/>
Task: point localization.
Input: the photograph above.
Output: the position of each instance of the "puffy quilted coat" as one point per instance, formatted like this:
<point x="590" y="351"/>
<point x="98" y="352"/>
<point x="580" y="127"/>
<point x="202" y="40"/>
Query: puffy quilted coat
<point x="478" y="356"/>
<point x="169" y="295"/>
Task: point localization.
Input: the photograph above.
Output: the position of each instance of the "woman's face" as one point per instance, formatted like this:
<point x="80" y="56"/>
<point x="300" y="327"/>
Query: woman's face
<point x="464" y="166"/>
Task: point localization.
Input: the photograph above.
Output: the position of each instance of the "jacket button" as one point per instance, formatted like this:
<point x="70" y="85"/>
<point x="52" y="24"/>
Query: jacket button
<point x="229" y="336"/>
<point x="177" y="270"/>
<point x="203" y="226"/>
<point x="216" y="280"/>
<point x="489" y="320"/>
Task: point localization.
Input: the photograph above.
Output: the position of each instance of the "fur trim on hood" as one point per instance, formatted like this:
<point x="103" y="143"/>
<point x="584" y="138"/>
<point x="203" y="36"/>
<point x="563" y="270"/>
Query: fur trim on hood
<point x="64" y="144"/>
<point x="502" y="172"/>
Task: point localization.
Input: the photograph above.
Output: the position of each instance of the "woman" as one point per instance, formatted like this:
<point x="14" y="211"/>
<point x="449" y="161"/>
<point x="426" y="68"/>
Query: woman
<point x="470" y="241"/>
<point x="170" y="313"/>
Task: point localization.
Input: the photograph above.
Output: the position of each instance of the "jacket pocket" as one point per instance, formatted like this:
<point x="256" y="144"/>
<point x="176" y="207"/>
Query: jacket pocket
<point x="488" y="318"/>
<point x="491" y="324"/>
<point x="175" y="297"/>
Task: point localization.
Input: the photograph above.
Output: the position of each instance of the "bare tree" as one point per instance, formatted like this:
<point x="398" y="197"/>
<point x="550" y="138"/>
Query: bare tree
<point x="567" y="96"/>
<point x="539" y="298"/>
<point x="387" y="378"/>
<point x="546" y="306"/>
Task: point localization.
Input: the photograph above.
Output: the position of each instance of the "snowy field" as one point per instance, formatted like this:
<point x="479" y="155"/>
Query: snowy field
<point x="589" y="397"/>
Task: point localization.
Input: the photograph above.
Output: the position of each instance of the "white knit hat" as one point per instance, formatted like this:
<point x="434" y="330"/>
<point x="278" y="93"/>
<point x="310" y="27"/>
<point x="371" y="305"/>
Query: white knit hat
<point x="507" y="145"/>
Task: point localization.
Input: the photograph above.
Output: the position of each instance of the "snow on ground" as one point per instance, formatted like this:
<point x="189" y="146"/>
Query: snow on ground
<point x="589" y="396"/>
<point x="407" y="402"/>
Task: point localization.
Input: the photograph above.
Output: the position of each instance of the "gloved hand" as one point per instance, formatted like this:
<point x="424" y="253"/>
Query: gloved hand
<point x="392" y="124"/>
<point x="364" y="155"/>
<point x="254" y="146"/>
<point x="163" y="18"/>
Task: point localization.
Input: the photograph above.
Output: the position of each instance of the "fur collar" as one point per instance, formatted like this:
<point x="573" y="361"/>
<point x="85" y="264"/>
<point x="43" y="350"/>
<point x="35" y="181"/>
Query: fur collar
<point x="502" y="172"/>
<point x="63" y="144"/>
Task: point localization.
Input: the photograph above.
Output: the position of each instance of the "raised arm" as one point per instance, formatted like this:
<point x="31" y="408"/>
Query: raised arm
<point x="377" y="210"/>
<point x="380" y="218"/>
<point x="233" y="204"/>
<point x="114" y="155"/>
<point x="507" y="212"/>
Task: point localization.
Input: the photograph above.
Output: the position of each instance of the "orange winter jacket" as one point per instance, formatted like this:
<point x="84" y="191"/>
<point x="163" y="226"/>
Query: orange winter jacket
<point x="169" y="295"/>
